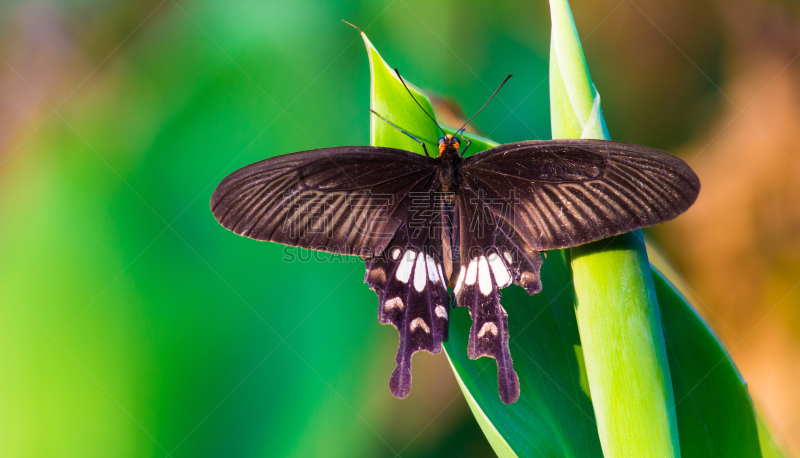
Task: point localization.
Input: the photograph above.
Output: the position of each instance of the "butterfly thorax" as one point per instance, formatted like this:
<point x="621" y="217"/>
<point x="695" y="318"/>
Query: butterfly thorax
<point x="448" y="174"/>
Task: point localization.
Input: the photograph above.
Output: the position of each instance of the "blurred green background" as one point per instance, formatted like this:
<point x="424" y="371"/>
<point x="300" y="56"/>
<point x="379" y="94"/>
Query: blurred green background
<point x="132" y="324"/>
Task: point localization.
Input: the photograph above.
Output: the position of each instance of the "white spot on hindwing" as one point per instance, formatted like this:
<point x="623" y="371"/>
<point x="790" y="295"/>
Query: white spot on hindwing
<point x="489" y="327"/>
<point x="404" y="270"/>
<point x="419" y="273"/>
<point x="508" y="256"/>
<point x="394" y="303"/>
<point x="501" y="275"/>
<point x="395" y="254"/>
<point x="527" y="279"/>
<point x="419" y="323"/>
<point x="484" y="278"/>
<point x="377" y="275"/>
<point x="472" y="272"/>
<point x="440" y="312"/>
<point x="431" y="265"/>
<point x="460" y="280"/>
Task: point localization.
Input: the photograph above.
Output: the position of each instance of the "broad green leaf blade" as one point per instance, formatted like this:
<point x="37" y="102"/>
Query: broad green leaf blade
<point x="715" y="412"/>
<point x="616" y="307"/>
<point x="704" y="429"/>
<point x="695" y="354"/>
<point x="497" y="441"/>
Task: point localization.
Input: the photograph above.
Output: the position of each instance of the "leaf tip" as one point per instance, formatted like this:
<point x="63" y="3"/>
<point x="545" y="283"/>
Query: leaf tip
<point x="354" y="26"/>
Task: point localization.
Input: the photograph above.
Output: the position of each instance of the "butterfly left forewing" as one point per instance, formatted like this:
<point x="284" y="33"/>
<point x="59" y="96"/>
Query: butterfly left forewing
<point x="346" y="200"/>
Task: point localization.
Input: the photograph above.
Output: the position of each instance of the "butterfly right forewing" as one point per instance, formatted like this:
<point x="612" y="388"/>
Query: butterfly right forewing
<point x="564" y="193"/>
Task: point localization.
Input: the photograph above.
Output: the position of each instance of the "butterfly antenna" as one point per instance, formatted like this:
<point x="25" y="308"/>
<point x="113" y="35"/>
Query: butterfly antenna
<point x="484" y="105"/>
<point x="415" y="100"/>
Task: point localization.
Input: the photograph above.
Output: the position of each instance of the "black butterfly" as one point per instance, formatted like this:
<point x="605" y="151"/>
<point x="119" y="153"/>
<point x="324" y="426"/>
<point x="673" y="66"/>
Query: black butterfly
<point x="475" y="224"/>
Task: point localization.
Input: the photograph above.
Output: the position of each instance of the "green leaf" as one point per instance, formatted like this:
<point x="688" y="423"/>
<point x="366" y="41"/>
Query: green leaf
<point x="626" y="359"/>
<point x="714" y="410"/>
<point x="769" y="447"/>
<point x="618" y="315"/>
<point x="706" y="396"/>
<point x="574" y="101"/>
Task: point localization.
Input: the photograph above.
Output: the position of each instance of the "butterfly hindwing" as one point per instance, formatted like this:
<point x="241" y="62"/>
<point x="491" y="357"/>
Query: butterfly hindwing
<point x="491" y="256"/>
<point x="479" y="291"/>
<point x="412" y="292"/>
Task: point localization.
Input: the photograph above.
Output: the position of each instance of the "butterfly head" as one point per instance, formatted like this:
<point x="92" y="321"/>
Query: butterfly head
<point x="448" y="141"/>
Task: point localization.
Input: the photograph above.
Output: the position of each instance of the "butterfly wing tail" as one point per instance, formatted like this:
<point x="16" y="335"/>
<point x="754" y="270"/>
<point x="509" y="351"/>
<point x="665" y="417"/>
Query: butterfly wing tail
<point x="413" y="297"/>
<point x="479" y="290"/>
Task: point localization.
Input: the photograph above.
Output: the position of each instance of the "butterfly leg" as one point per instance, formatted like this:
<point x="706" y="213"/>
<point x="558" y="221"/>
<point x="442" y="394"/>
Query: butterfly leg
<point x="469" y="142"/>
<point x="401" y="130"/>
